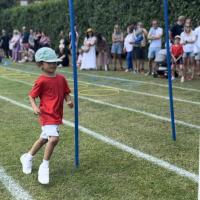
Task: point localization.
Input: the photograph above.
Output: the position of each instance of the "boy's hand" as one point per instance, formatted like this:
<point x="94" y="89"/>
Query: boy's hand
<point x="70" y="104"/>
<point x="36" y="110"/>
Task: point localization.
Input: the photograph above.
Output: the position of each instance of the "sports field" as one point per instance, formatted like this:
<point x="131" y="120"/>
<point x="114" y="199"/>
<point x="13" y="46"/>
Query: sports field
<point x="126" y="149"/>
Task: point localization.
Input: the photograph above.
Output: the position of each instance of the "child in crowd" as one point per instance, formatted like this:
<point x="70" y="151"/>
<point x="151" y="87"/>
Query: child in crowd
<point x="52" y="89"/>
<point x="128" y="49"/>
<point x="177" y="57"/>
<point x="27" y="56"/>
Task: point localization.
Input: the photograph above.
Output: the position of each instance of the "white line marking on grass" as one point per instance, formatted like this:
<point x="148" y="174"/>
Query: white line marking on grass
<point x="170" y="167"/>
<point x="166" y="119"/>
<point x="13" y="187"/>
<point x="121" y="89"/>
<point x="142" y="93"/>
<point x="134" y="81"/>
<point x="142" y="112"/>
<point x="126" y="80"/>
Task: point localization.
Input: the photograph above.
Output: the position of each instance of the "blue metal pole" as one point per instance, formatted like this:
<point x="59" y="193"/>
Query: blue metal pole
<point x="169" y="69"/>
<point x="76" y="117"/>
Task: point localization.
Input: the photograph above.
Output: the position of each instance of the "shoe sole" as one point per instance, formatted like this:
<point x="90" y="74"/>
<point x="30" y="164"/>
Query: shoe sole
<point x="43" y="182"/>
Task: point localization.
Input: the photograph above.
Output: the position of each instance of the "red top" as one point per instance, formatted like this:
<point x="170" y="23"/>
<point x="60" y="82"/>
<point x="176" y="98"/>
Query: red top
<point x="52" y="92"/>
<point x="177" y="50"/>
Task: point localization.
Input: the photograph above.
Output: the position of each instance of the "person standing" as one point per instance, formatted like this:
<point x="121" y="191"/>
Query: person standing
<point x="197" y="49"/>
<point x="178" y="28"/>
<point x="31" y="39"/>
<point x="103" y="52"/>
<point x="76" y="38"/>
<point x="143" y="44"/>
<point x="155" y="40"/>
<point x="25" y="39"/>
<point x="117" y="46"/>
<point x="14" y="46"/>
<point x="5" y="43"/>
<point x="89" y="55"/>
<point x="128" y="48"/>
<point x="188" y="39"/>
<point x="37" y="38"/>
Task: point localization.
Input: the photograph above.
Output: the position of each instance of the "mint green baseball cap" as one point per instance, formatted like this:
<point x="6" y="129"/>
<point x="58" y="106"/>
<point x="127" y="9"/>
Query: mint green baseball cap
<point x="46" y="54"/>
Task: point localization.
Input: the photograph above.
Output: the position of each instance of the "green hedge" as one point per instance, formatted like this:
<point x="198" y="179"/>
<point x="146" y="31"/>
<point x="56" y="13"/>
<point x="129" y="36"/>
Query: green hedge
<point x="52" y="16"/>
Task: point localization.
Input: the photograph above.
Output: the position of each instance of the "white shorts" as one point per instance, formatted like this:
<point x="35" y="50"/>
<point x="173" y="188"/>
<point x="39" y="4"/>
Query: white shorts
<point x="49" y="130"/>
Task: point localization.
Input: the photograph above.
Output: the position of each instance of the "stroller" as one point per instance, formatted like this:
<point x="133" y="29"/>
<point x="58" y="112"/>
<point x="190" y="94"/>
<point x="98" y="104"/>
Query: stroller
<point x="160" y="68"/>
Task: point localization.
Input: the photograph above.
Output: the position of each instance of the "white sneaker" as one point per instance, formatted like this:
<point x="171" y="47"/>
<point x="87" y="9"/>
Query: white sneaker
<point x="43" y="174"/>
<point x="26" y="164"/>
<point x="173" y="78"/>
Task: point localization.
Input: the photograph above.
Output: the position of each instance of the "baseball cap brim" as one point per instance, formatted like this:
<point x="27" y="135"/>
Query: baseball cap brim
<point x="52" y="61"/>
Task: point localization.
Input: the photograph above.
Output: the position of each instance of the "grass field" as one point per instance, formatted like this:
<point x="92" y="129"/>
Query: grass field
<point x="130" y="109"/>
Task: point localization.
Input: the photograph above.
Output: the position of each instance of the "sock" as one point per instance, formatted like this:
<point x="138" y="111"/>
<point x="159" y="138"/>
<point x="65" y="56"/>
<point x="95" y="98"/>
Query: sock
<point x="29" y="156"/>
<point x="45" y="163"/>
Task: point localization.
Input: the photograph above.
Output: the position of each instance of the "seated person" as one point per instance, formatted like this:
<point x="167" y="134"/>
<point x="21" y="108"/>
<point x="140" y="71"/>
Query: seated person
<point x="63" y="54"/>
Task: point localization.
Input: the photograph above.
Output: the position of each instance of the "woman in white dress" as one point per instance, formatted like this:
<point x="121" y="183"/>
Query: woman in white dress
<point x="89" y="51"/>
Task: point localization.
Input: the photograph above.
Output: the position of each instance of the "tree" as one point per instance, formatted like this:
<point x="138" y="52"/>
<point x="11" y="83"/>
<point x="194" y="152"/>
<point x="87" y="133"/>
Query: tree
<point x="7" y="4"/>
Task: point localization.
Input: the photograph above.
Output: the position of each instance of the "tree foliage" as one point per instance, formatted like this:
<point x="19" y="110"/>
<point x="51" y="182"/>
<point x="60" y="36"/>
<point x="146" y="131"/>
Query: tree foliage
<point x="7" y="4"/>
<point x="52" y="16"/>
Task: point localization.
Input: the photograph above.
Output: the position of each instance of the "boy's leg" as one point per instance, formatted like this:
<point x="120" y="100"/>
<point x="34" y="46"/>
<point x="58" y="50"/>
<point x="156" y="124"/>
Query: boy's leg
<point x="26" y="159"/>
<point x="43" y="173"/>
<point x="37" y="145"/>
<point x="52" y="142"/>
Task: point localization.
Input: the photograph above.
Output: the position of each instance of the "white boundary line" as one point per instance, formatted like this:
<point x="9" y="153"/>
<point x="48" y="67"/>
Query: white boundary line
<point x="13" y="187"/>
<point x="119" y="89"/>
<point x="142" y="93"/>
<point x="124" y="90"/>
<point x="133" y="81"/>
<point x="122" y="108"/>
<point x="123" y="147"/>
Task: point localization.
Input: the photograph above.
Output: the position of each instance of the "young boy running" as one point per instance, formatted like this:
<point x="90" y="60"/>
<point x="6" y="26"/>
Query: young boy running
<point x="52" y="89"/>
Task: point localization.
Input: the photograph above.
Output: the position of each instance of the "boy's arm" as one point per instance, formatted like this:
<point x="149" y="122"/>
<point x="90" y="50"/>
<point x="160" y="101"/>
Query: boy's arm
<point x="174" y="59"/>
<point x="34" y="105"/>
<point x="179" y="57"/>
<point x="69" y="101"/>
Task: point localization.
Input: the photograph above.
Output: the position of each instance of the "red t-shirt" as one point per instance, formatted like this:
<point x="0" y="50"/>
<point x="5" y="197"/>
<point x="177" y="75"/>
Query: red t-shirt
<point x="177" y="50"/>
<point x="52" y="92"/>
